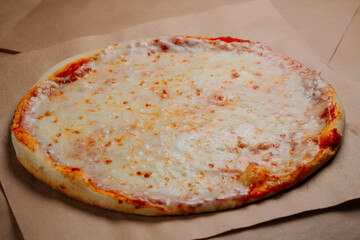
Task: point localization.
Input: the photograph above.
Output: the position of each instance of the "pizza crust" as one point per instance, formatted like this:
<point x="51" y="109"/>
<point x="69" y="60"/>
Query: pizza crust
<point x="75" y="183"/>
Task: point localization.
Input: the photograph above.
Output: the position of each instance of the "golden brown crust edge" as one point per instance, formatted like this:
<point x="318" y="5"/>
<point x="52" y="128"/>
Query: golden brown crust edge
<point x="75" y="183"/>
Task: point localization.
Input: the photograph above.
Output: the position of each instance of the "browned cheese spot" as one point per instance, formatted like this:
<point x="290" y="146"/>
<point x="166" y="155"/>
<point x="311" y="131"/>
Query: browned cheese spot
<point x="257" y="74"/>
<point x="198" y="92"/>
<point x="164" y="47"/>
<point x="235" y="75"/>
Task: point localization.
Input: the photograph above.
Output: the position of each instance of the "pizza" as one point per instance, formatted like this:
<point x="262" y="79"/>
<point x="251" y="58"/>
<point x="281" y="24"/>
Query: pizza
<point x="177" y="125"/>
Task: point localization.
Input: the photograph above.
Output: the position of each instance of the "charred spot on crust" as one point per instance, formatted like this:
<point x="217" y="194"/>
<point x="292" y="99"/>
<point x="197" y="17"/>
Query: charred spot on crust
<point x="230" y="40"/>
<point x="138" y="204"/>
<point x="330" y="140"/>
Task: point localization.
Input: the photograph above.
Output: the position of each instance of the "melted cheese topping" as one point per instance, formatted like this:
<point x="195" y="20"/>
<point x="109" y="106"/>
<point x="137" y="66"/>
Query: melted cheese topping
<point x="182" y="119"/>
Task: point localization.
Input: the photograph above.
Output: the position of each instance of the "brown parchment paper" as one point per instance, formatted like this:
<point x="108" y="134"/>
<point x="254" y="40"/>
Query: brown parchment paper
<point x="346" y="59"/>
<point x="334" y="223"/>
<point x="320" y="22"/>
<point x="11" y="12"/>
<point x="9" y="228"/>
<point x="45" y="214"/>
<point x="2" y="54"/>
<point x="53" y="21"/>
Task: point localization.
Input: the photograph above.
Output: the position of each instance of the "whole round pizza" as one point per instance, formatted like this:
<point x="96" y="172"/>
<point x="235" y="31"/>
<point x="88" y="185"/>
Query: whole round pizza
<point x="177" y="125"/>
